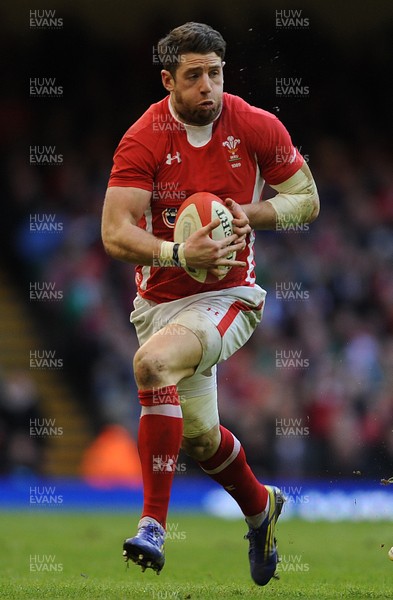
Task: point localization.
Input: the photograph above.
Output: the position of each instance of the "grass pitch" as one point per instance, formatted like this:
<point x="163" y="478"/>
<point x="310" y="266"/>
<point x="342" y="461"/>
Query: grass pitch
<point x="65" y="555"/>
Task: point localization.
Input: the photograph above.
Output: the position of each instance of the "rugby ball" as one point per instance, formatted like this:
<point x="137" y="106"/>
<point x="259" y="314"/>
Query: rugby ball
<point x="196" y="212"/>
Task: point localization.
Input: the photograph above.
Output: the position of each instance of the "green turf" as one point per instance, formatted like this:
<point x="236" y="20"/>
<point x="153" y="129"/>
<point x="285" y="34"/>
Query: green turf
<point x="206" y="559"/>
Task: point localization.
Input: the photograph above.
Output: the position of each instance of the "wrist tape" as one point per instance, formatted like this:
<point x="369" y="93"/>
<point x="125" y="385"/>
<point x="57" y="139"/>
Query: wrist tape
<point x="172" y="255"/>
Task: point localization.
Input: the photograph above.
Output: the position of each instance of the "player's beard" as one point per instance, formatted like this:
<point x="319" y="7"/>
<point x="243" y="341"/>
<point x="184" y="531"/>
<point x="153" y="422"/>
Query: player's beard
<point x="194" y="114"/>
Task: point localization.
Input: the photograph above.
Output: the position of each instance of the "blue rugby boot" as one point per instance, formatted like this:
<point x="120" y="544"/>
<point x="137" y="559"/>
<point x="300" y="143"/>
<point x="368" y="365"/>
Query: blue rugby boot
<point x="262" y="552"/>
<point x="146" y="549"/>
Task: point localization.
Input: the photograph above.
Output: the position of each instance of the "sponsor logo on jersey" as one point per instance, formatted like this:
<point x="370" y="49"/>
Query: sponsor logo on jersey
<point x="169" y="216"/>
<point x="231" y="144"/>
<point x="170" y="158"/>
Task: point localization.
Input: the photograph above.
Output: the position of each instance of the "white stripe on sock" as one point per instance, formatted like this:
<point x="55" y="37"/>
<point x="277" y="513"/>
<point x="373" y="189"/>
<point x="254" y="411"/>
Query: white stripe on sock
<point x="168" y="410"/>
<point x="228" y="461"/>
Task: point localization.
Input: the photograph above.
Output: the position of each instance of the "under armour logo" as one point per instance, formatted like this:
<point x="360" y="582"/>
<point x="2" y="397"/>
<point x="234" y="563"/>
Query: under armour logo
<point x="170" y="158"/>
<point x="166" y="465"/>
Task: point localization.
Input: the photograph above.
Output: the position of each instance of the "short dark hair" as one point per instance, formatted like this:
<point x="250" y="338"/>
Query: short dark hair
<point x="190" y="37"/>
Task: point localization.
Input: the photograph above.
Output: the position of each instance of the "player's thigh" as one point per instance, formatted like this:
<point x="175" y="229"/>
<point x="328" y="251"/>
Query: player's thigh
<point x="169" y="332"/>
<point x="222" y="324"/>
<point x="174" y="351"/>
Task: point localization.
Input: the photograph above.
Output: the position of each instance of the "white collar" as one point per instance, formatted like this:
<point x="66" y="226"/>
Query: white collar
<point x="197" y="135"/>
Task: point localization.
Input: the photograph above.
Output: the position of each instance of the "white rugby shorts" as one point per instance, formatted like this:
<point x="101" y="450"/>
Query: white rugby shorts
<point x="223" y="322"/>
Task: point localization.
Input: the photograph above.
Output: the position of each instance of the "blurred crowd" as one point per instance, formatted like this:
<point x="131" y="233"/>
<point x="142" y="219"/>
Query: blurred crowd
<point x="311" y="394"/>
<point x="317" y="398"/>
<point x="20" y="452"/>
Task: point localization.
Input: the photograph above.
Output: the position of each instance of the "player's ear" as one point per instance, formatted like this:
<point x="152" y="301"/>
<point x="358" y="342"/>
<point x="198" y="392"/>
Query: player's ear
<point x="167" y="80"/>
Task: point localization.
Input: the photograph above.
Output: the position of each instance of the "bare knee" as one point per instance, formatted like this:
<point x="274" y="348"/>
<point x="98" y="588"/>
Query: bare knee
<point x="164" y="361"/>
<point x="149" y="369"/>
<point x="204" y="446"/>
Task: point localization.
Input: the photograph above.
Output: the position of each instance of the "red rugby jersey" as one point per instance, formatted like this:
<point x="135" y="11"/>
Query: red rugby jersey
<point x="231" y="157"/>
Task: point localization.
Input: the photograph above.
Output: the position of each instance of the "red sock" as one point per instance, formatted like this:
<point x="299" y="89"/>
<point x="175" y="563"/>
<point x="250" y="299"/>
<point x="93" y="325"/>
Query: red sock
<point x="159" y="439"/>
<point x="229" y="468"/>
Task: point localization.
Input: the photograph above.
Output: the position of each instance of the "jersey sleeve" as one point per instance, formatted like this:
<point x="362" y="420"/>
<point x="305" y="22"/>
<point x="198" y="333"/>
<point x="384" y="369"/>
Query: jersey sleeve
<point x="278" y="158"/>
<point x="133" y="165"/>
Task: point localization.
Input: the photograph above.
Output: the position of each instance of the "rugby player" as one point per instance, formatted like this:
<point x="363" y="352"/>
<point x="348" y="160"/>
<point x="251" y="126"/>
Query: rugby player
<point x="198" y="138"/>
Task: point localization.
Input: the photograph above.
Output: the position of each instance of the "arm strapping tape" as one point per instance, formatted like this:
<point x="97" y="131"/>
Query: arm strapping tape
<point x="297" y="198"/>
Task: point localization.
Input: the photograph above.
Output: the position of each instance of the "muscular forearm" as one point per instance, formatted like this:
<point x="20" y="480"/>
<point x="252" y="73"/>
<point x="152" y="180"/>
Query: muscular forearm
<point x="261" y="215"/>
<point x="131" y="244"/>
<point x="127" y="242"/>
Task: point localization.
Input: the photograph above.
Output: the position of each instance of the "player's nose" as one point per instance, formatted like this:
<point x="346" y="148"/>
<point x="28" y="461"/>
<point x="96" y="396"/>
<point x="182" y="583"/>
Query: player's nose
<point x="206" y="84"/>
